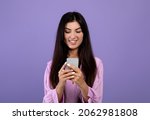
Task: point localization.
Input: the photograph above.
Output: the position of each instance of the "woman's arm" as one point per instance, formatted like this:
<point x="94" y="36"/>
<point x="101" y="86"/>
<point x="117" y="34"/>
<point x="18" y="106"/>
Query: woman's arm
<point x="95" y="93"/>
<point x="56" y="94"/>
<point x="50" y="94"/>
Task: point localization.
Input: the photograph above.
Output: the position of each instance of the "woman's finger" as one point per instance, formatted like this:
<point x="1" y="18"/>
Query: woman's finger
<point x="74" y="68"/>
<point x="68" y="78"/>
<point x="64" y="72"/>
<point x="63" y="67"/>
<point x="68" y="74"/>
<point x="78" y="75"/>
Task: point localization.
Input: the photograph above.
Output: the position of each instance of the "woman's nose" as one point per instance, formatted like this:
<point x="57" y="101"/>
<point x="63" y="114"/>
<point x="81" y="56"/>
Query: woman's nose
<point x="72" y="35"/>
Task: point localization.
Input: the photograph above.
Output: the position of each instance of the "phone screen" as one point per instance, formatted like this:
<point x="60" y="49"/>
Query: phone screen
<point x="73" y="61"/>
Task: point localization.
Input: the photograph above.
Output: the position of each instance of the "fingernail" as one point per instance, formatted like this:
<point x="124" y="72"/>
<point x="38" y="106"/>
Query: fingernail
<point x="73" y="72"/>
<point x="68" y="64"/>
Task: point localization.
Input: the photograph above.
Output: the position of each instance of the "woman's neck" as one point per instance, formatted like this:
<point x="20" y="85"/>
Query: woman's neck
<point x="73" y="53"/>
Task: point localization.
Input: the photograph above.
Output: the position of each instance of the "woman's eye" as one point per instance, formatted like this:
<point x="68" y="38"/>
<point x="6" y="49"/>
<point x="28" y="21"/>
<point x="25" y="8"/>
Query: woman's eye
<point x="67" y="31"/>
<point x="78" y="31"/>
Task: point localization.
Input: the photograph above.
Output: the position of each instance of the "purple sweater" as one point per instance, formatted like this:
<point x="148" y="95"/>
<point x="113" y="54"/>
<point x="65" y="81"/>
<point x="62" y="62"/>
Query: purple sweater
<point x="72" y="92"/>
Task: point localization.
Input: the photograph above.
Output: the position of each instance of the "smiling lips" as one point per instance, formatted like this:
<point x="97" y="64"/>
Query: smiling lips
<point x="73" y="42"/>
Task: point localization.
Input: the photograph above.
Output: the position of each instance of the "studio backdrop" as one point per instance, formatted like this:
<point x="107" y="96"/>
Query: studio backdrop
<point x="120" y="36"/>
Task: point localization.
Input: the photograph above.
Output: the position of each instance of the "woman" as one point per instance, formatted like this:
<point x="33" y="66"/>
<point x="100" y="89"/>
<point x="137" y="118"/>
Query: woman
<point x="77" y="84"/>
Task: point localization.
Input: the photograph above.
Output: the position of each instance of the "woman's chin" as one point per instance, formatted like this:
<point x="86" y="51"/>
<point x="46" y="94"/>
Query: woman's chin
<point x="72" y="48"/>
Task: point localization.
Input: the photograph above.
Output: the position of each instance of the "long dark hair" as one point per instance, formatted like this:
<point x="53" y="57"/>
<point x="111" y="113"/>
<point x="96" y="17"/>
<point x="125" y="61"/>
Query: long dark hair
<point x="61" y="50"/>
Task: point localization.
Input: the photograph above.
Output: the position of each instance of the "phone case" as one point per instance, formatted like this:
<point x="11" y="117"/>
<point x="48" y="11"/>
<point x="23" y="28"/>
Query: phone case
<point x="73" y="61"/>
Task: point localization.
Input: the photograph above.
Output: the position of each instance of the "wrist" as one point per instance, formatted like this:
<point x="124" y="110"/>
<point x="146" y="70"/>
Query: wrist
<point x="61" y="84"/>
<point x="83" y="85"/>
<point x="84" y="91"/>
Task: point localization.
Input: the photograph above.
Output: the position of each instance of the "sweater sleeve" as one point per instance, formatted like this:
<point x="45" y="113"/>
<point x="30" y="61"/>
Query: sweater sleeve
<point x="95" y="93"/>
<point x="50" y="94"/>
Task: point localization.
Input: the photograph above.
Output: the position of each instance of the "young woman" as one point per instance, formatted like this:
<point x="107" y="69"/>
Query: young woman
<point x="77" y="84"/>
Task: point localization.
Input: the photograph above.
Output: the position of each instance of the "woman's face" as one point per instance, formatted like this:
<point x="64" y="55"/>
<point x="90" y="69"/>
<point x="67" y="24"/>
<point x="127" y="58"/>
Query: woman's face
<point x="73" y="35"/>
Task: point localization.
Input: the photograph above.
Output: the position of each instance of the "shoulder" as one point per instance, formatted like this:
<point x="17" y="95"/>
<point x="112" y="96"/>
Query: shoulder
<point x="98" y="61"/>
<point x="49" y="63"/>
<point x="99" y="65"/>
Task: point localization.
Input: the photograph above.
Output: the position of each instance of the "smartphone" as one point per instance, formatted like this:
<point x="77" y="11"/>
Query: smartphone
<point x="73" y="61"/>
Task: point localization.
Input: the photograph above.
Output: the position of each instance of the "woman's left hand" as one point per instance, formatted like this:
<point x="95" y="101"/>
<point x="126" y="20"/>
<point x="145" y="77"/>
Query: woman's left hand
<point x="78" y="76"/>
<point x="79" y="80"/>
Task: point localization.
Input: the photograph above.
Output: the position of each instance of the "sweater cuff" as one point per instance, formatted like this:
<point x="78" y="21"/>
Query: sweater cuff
<point x="90" y="95"/>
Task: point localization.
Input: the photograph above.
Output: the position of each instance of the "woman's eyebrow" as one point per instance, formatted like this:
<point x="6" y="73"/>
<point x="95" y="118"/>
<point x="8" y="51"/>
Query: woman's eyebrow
<point x="67" y="28"/>
<point x="75" y="29"/>
<point x="78" y="28"/>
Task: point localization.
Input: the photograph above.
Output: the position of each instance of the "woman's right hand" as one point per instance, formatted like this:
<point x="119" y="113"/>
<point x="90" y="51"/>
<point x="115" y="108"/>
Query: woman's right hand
<point x="65" y="74"/>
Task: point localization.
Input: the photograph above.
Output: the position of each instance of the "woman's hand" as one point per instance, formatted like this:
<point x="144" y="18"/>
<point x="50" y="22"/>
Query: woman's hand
<point x="78" y="75"/>
<point x="64" y="75"/>
<point x="79" y="80"/>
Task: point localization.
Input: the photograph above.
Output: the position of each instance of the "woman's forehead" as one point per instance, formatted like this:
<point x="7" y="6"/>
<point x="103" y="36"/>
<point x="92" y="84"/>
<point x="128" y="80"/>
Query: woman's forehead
<point x="72" y="25"/>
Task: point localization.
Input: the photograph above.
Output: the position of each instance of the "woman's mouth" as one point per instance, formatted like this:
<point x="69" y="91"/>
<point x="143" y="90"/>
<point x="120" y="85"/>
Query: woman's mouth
<point x="72" y="42"/>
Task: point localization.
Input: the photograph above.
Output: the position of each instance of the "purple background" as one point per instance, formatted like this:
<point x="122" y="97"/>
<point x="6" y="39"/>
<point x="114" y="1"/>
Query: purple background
<point x="120" y="33"/>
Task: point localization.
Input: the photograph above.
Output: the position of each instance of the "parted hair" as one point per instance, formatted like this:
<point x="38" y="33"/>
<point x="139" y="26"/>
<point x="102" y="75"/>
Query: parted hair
<point x="61" y="50"/>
